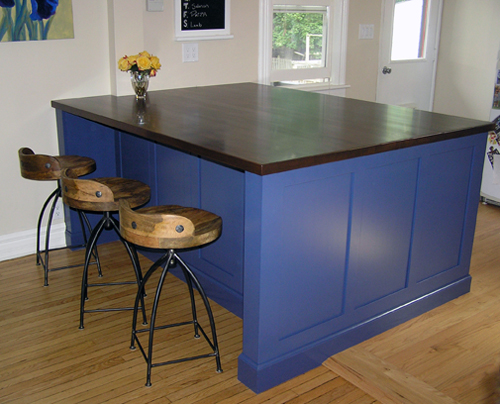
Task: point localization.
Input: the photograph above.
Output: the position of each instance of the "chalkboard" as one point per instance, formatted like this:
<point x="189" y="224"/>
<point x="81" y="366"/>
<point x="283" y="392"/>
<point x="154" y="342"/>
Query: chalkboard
<point x="203" y="14"/>
<point x="202" y="19"/>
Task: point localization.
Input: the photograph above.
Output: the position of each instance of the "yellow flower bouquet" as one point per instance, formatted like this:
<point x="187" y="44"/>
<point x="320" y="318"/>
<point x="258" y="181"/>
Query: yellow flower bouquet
<point x="144" y="62"/>
<point x="141" y="67"/>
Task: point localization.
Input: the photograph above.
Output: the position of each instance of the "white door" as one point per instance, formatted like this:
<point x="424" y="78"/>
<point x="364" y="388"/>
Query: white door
<point x="408" y="52"/>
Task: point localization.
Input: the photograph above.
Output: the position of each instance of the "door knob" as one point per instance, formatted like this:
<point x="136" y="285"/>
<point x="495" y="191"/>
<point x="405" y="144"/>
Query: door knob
<point x="386" y="70"/>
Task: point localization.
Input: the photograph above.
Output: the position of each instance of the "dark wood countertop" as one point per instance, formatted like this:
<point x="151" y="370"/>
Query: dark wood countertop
<point x="265" y="129"/>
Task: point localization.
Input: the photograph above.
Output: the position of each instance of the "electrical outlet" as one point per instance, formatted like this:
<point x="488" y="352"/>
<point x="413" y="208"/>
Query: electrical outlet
<point x="59" y="211"/>
<point x="190" y="52"/>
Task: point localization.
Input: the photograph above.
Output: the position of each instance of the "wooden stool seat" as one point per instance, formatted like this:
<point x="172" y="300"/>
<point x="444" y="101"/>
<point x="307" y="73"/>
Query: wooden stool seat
<point x="42" y="167"/>
<point x="103" y="195"/>
<point x="169" y="228"/>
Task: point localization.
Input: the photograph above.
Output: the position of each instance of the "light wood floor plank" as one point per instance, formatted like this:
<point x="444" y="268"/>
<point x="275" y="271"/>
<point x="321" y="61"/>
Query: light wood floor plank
<point x="46" y="359"/>
<point x="382" y="380"/>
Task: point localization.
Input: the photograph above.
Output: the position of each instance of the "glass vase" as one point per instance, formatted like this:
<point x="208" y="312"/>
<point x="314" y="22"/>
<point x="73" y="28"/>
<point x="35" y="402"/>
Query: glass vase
<point x="140" y="83"/>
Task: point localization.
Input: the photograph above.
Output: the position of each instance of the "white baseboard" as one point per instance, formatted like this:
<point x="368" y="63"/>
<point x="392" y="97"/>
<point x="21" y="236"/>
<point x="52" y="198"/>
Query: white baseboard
<point x="23" y="243"/>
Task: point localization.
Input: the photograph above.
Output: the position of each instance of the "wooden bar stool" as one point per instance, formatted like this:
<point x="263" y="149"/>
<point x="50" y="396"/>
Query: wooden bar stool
<point x="170" y="228"/>
<point x="41" y="167"/>
<point x="102" y="195"/>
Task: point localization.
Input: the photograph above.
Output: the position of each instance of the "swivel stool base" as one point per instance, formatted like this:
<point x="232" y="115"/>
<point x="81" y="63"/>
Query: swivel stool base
<point x="170" y="228"/>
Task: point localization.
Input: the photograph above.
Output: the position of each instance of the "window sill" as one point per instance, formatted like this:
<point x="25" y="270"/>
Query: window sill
<point x="331" y="89"/>
<point x="317" y="87"/>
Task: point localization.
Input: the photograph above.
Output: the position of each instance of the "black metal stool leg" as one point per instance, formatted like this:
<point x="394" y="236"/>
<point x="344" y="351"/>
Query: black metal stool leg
<point x="39" y="224"/>
<point x="214" y="344"/>
<point x="153" y="317"/>
<point x="88" y="253"/>
<point x="159" y="263"/>
<point x="189" y="283"/>
<point x="135" y="263"/>
<point x="136" y="258"/>
<point x="45" y="262"/>
<point x="84" y="219"/>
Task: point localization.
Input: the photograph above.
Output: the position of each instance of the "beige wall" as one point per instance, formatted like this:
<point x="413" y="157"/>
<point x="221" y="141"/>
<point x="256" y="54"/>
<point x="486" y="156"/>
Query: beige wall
<point x="470" y="40"/>
<point x="31" y="75"/>
<point x="222" y="61"/>
<point x="34" y="73"/>
<point x="362" y="54"/>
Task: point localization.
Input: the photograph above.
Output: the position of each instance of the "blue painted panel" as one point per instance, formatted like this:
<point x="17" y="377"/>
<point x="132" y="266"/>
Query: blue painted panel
<point x="178" y="177"/>
<point x="316" y="240"/>
<point x="186" y="180"/>
<point x="138" y="162"/>
<point x="296" y="234"/>
<point x="87" y="138"/>
<point x="441" y="206"/>
<point x="382" y="227"/>
<point x="222" y="192"/>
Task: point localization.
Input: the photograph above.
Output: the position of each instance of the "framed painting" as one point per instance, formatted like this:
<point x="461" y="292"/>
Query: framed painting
<point x="33" y="20"/>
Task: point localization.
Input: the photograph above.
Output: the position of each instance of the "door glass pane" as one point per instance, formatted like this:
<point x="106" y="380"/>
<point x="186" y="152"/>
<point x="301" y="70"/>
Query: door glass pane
<point x="299" y="37"/>
<point x="409" y="29"/>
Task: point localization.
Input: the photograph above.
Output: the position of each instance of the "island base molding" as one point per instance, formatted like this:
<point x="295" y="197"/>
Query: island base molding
<point x="260" y="378"/>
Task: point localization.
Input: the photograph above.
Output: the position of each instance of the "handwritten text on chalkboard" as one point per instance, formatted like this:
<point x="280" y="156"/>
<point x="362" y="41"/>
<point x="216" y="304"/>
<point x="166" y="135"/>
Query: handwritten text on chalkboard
<point x="203" y="14"/>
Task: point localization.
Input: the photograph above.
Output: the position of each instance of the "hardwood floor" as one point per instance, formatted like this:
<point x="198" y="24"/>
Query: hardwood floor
<point x="451" y="354"/>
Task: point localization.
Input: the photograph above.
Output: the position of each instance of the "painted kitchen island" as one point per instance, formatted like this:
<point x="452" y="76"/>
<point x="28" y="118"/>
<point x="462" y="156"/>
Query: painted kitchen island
<point x="341" y="218"/>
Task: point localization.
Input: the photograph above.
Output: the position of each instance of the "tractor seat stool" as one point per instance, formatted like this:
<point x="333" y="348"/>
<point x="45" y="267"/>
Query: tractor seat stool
<point x="103" y="195"/>
<point x="170" y="228"/>
<point x="41" y="167"/>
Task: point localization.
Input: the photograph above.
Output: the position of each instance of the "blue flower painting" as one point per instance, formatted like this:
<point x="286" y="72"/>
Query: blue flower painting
<point x="27" y="20"/>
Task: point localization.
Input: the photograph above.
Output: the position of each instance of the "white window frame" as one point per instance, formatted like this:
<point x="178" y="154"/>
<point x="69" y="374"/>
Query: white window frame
<point x="336" y="43"/>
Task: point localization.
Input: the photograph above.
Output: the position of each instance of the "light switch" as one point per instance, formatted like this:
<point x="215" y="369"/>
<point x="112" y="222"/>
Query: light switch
<point x="366" y="31"/>
<point x="154" y="5"/>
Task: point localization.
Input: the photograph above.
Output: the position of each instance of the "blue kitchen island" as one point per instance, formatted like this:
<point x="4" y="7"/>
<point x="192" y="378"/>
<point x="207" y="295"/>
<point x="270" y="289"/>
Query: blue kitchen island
<point x="341" y="218"/>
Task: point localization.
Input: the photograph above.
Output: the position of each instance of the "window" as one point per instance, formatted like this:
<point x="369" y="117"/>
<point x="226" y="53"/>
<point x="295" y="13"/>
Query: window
<point x="300" y="38"/>
<point x="409" y="29"/>
<point x="303" y="42"/>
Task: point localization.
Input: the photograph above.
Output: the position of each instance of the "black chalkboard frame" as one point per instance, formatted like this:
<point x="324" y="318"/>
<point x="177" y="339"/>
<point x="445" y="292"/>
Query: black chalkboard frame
<point x="201" y="34"/>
